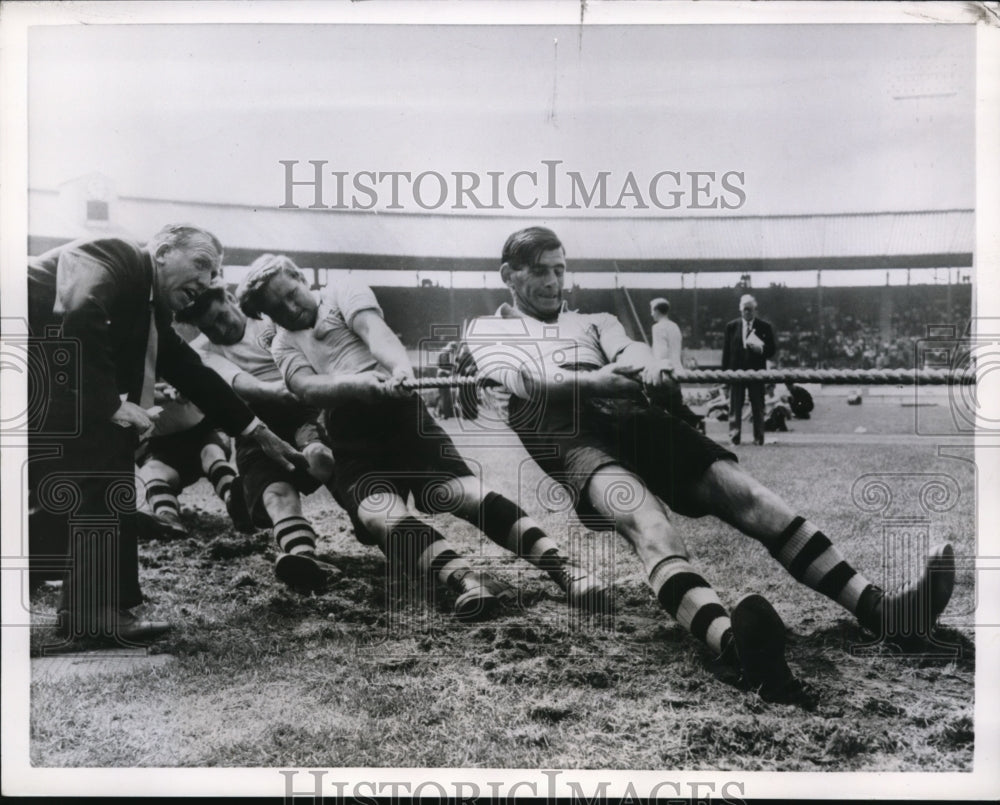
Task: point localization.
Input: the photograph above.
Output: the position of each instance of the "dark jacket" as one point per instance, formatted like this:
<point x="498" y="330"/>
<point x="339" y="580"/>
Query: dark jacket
<point x="734" y="356"/>
<point x="103" y="303"/>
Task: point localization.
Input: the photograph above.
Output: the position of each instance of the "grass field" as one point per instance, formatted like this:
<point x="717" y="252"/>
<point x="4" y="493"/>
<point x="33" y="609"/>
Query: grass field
<point x="359" y="676"/>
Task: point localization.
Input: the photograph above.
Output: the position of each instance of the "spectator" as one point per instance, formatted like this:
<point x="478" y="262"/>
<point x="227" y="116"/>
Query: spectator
<point x="666" y="335"/>
<point x="749" y="343"/>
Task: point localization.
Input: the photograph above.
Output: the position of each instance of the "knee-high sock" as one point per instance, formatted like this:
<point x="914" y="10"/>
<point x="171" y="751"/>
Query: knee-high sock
<point x="221" y="475"/>
<point x="163" y="500"/>
<point x="811" y="558"/>
<point x="419" y="550"/>
<point x="294" y="535"/>
<point x="691" y="601"/>
<point x="510" y="527"/>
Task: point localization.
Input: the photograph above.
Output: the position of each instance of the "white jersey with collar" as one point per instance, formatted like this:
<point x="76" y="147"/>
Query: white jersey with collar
<point x="510" y="343"/>
<point x="252" y="354"/>
<point x="330" y="347"/>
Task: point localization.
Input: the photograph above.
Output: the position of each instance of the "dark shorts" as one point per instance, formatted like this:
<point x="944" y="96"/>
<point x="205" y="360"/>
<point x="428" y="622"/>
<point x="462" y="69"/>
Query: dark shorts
<point x="182" y="450"/>
<point x="390" y="446"/>
<point x="296" y="424"/>
<point x="258" y="472"/>
<point x="668" y="454"/>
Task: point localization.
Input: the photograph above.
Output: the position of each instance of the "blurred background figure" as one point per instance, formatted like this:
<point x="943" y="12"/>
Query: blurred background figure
<point x="666" y="335"/>
<point x="800" y="401"/>
<point x="446" y="368"/>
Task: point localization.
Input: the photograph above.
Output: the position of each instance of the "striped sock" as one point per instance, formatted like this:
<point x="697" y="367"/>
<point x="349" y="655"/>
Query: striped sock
<point x="510" y="527"/>
<point x="163" y="501"/>
<point x="221" y="475"/>
<point x="811" y="558"/>
<point x="419" y="550"/>
<point x="691" y="601"/>
<point x="295" y="535"/>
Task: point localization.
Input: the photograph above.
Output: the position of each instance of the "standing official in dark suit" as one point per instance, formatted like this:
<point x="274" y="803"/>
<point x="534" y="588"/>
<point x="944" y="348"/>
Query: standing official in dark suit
<point x="112" y="301"/>
<point x="748" y="344"/>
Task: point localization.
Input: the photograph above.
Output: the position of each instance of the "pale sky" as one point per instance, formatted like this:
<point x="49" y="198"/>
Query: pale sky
<point x="818" y="118"/>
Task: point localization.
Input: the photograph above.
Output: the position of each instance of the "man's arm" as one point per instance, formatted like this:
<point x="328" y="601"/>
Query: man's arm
<point x="500" y="365"/>
<point x="88" y="290"/>
<point x="250" y="389"/>
<point x="567" y="384"/>
<point x="637" y="361"/>
<point x="385" y="347"/>
<point x="180" y="365"/>
<point x="322" y="391"/>
<point x="635" y="354"/>
<point x="91" y="282"/>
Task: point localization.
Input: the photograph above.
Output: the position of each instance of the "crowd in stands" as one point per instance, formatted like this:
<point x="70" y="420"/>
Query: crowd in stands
<point x="845" y="340"/>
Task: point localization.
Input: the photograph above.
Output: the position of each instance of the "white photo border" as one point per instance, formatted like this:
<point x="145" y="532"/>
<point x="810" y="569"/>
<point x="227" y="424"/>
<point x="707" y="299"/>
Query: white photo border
<point x="20" y="778"/>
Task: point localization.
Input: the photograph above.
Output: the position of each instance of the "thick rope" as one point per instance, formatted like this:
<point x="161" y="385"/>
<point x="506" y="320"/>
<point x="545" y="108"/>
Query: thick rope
<point x="853" y="377"/>
<point x="858" y="377"/>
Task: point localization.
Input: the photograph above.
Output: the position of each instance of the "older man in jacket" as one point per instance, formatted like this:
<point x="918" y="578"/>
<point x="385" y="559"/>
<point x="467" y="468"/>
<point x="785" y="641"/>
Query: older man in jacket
<point x="749" y="343"/>
<point x="111" y="300"/>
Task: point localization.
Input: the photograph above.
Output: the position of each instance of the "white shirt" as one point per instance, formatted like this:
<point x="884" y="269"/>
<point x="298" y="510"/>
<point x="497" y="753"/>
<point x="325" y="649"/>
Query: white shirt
<point x="509" y="345"/>
<point x="331" y="347"/>
<point x="252" y="354"/>
<point x="667" y="341"/>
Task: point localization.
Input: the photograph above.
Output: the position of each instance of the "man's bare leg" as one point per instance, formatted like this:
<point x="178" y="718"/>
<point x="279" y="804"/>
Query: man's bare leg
<point x="296" y="565"/>
<point x="681" y="590"/>
<point x="738" y="499"/>
<point x="510" y="527"/>
<point x="163" y="484"/>
<point x="752" y="640"/>
<point x="420" y="551"/>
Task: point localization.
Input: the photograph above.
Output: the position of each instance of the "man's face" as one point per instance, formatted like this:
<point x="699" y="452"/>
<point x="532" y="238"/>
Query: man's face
<point x="224" y="323"/>
<point x="538" y="289"/>
<point x="289" y="302"/>
<point x="748" y="310"/>
<point x="185" y="272"/>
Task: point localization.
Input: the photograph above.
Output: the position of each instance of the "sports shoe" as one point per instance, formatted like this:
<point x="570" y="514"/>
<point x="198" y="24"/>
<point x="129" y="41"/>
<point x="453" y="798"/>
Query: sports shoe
<point x="475" y="601"/>
<point x="301" y="571"/>
<point x="759" y="638"/>
<point x="505" y="593"/>
<point x="584" y="591"/>
<point x="907" y="615"/>
<point x="160" y="526"/>
<point x="236" y="506"/>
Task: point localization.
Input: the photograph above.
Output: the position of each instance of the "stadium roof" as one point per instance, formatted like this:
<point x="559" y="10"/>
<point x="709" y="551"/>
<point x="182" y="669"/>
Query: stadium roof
<point x="472" y="242"/>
